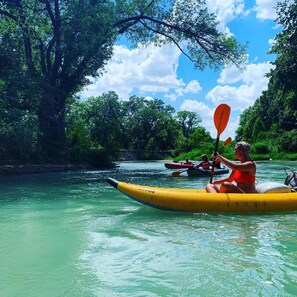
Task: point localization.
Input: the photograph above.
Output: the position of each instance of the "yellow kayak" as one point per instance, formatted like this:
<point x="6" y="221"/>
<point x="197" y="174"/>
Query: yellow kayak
<point x="194" y="200"/>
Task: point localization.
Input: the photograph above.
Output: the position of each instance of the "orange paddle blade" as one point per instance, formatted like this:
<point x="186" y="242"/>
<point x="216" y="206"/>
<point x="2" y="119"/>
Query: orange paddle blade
<point x="176" y="173"/>
<point x="221" y="117"/>
<point x="227" y="141"/>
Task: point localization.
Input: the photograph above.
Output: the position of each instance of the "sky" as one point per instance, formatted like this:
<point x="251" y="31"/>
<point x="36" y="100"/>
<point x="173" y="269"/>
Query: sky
<point x="165" y="73"/>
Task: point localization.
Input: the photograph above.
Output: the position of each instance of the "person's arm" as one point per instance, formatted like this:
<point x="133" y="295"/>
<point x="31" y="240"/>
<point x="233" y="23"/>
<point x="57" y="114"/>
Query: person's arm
<point x="246" y="166"/>
<point x="198" y="165"/>
<point x="229" y="179"/>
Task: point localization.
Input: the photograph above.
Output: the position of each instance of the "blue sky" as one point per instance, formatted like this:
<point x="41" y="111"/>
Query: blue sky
<point x="164" y="73"/>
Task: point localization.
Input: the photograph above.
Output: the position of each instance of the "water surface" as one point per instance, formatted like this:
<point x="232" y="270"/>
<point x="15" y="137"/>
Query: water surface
<point x="72" y="234"/>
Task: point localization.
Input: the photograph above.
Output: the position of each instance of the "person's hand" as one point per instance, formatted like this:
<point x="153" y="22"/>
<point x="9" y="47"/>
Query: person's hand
<point x="217" y="158"/>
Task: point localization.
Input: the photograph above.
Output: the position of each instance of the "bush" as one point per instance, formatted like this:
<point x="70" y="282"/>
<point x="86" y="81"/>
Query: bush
<point x="288" y="141"/>
<point x="260" y="148"/>
<point x="98" y="157"/>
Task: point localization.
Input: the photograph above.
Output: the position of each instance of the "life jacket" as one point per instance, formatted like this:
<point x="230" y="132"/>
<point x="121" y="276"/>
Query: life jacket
<point x="205" y="165"/>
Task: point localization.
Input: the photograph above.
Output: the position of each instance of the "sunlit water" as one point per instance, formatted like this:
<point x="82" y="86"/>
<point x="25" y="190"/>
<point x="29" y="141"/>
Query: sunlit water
<point x="72" y="234"/>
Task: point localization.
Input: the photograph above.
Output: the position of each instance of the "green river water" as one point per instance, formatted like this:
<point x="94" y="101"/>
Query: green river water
<point x="72" y="234"/>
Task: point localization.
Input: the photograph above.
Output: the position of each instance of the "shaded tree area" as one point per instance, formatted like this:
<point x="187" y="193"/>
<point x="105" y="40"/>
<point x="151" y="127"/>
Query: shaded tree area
<point x="49" y="48"/>
<point x="99" y="127"/>
<point x="271" y="123"/>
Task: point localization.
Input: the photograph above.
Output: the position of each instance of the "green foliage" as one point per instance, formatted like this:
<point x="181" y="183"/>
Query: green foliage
<point x="181" y="144"/>
<point x="288" y="141"/>
<point x="98" y="157"/>
<point x="258" y="130"/>
<point x="50" y="48"/>
<point x="199" y="139"/>
<point x="272" y="120"/>
<point x="107" y="125"/>
<point x="103" y="118"/>
<point x="149" y="124"/>
<point x="18" y="137"/>
<point x="282" y="156"/>
<point x="206" y="148"/>
<point x="260" y="148"/>
<point x="188" y="121"/>
<point x="77" y="133"/>
<point x="285" y="46"/>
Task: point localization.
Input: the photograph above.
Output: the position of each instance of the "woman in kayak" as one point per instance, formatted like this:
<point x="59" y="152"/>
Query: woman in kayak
<point x="204" y="163"/>
<point x="243" y="173"/>
<point x="188" y="162"/>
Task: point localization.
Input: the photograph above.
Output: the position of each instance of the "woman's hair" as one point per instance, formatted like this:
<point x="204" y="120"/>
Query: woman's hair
<point x="242" y="145"/>
<point x="204" y="157"/>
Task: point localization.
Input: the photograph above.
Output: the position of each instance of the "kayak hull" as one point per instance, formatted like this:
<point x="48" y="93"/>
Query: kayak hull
<point x="206" y="172"/>
<point x="194" y="200"/>
<point x="178" y="165"/>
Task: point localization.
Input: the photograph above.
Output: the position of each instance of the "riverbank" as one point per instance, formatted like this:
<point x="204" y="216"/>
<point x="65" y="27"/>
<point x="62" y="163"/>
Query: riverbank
<point x="42" y="168"/>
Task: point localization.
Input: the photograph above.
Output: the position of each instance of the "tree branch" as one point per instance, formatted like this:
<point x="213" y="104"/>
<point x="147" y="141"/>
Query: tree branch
<point x="169" y="37"/>
<point x="53" y="69"/>
<point x="26" y="37"/>
<point x="7" y="14"/>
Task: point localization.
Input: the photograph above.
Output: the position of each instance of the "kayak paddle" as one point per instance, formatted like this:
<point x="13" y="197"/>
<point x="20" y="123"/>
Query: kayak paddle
<point x="227" y="141"/>
<point x="177" y="173"/>
<point x="221" y="118"/>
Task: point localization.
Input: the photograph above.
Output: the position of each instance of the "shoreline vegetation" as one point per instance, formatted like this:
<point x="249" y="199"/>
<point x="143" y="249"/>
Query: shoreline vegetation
<point x="18" y="169"/>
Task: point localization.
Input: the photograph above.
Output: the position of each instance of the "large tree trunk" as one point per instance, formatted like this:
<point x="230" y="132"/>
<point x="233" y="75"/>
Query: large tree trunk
<point x="52" y="136"/>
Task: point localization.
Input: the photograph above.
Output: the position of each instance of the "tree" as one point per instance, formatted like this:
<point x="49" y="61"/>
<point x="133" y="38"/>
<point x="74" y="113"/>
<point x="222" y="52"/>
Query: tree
<point x="273" y="117"/>
<point x="188" y="121"/>
<point x="258" y="130"/>
<point x="285" y="46"/>
<point x="149" y="124"/>
<point x="78" y="132"/>
<point x="60" y="43"/>
<point x="103" y="117"/>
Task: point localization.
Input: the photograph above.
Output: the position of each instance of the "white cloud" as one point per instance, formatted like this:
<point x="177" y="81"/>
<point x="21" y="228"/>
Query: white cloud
<point x="228" y="10"/>
<point x="265" y="9"/>
<point x="271" y="43"/>
<point x="206" y="113"/>
<point x="225" y="11"/>
<point x="250" y="84"/>
<point x="192" y="87"/>
<point x="196" y="106"/>
<point x="144" y="69"/>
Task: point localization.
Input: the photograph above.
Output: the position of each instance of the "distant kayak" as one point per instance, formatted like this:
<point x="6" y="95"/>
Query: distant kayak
<point x="198" y="171"/>
<point x="173" y="165"/>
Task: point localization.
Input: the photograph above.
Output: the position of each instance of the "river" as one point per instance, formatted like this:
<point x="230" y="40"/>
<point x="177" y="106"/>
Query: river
<point x="72" y="234"/>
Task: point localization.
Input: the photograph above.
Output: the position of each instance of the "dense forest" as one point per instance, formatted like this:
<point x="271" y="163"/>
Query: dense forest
<point x="48" y="48"/>
<point x="271" y="123"/>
